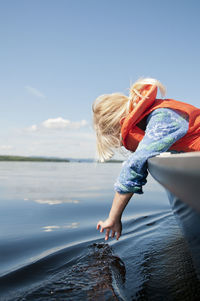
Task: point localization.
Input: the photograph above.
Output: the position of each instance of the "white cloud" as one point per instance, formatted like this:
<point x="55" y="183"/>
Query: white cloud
<point x="60" y="123"/>
<point x="56" y="123"/>
<point x="35" y="92"/>
<point x="76" y="140"/>
<point x="5" y="147"/>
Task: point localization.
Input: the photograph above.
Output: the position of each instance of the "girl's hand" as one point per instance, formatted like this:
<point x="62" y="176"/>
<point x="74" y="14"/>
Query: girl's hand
<point x="113" y="222"/>
<point x="110" y="225"/>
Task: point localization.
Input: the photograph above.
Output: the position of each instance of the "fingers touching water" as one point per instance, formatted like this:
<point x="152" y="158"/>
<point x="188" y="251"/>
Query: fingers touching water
<point x="113" y="228"/>
<point x="112" y="224"/>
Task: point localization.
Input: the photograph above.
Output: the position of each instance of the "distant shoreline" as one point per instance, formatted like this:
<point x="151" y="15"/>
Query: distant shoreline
<point x="31" y="159"/>
<point x="50" y="159"/>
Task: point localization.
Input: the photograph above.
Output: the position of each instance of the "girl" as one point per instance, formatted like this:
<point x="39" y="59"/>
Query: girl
<point x="146" y="126"/>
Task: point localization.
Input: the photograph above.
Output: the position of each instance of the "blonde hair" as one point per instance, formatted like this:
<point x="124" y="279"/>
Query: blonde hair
<point x="109" y="109"/>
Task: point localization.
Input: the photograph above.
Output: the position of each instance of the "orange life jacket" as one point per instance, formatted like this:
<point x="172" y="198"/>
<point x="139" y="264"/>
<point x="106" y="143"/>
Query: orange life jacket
<point x="131" y="134"/>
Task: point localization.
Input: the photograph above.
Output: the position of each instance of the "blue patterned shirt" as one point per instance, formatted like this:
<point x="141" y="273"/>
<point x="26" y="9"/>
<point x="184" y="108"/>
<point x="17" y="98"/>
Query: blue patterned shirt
<point x="164" y="127"/>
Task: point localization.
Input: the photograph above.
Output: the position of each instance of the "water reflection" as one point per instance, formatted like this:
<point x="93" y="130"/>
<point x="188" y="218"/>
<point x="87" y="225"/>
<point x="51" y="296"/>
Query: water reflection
<point x="56" y="202"/>
<point x="53" y="228"/>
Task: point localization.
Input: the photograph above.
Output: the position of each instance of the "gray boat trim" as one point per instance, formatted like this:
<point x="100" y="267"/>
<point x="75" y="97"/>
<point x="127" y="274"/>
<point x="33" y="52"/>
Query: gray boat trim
<point x="180" y="174"/>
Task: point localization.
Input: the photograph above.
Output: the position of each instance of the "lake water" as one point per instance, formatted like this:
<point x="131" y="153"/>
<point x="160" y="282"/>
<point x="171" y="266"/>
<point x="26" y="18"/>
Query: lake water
<point x="50" y="248"/>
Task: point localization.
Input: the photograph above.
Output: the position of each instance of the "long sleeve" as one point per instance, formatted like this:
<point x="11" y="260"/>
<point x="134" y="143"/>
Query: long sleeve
<point x="164" y="128"/>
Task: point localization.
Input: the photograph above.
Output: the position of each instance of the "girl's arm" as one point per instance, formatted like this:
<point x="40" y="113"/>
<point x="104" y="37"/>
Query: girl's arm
<point x="113" y="222"/>
<point x="164" y="128"/>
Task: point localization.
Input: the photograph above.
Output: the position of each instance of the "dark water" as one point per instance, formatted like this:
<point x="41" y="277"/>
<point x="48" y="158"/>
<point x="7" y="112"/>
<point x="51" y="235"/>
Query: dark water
<point x="50" y="249"/>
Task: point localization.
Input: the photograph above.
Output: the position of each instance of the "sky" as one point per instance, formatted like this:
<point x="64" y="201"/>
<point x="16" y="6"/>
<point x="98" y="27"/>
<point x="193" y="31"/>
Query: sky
<point x="58" y="56"/>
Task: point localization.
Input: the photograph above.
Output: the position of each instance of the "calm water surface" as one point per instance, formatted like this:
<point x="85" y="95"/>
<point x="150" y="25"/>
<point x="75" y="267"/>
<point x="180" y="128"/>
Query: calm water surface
<point x="50" y="249"/>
